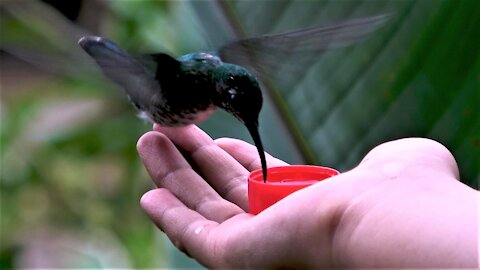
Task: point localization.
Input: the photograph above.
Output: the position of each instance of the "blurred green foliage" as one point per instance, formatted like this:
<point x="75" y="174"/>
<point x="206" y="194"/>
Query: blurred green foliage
<point x="70" y="175"/>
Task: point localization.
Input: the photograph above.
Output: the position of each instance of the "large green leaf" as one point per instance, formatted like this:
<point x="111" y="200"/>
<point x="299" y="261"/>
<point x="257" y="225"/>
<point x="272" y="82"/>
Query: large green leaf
<point x="418" y="76"/>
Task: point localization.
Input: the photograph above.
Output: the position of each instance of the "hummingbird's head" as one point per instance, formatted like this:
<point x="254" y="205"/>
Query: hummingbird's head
<point x="238" y="93"/>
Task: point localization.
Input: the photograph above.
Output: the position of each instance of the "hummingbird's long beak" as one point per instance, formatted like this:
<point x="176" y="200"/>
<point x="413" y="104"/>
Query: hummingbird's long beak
<point x="253" y="129"/>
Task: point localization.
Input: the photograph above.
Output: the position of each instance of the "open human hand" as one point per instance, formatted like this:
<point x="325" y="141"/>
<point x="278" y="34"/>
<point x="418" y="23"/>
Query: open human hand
<point x="402" y="206"/>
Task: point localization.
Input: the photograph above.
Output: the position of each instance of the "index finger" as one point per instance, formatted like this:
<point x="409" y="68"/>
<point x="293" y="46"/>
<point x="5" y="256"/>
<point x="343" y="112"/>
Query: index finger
<point x="225" y="174"/>
<point x="247" y="154"/>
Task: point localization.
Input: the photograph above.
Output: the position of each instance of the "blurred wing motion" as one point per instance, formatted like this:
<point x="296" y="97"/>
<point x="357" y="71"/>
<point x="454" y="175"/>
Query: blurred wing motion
<point x="264" y="54"/>
<point x="40" y="35"/>
<point x="132" y="75"/>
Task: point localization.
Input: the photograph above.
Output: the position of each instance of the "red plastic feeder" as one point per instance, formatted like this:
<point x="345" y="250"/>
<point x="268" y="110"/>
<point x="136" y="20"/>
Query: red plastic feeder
<point x="281" y="182"/>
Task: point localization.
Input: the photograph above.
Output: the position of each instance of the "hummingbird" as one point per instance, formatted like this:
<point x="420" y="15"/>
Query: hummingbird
<point x="182" y="91"/>
<point x="186" y="90"/>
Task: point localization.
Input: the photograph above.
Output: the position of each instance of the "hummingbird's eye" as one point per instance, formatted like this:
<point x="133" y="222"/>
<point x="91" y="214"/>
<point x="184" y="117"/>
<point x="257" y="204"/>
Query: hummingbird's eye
<point x="232" y="94"/>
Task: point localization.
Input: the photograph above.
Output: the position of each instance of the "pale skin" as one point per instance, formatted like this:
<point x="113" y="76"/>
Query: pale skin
<point x="402" y="206"/>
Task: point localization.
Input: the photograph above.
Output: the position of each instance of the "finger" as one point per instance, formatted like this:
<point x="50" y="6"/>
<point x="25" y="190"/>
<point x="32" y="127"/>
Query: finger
<point x="221" y="170"/>
<point x="187" y="229"/>
<point x="247" y="154"/>
<point x="168" y="169"/>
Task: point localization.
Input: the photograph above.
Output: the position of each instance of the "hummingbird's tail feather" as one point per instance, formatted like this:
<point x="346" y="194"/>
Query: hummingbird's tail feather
<point x="253" y="129"/>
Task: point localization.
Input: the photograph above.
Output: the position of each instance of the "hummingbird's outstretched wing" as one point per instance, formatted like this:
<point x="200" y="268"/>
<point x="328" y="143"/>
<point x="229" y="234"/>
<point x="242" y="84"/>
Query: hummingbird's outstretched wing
<point x="129" y="73"/>
<point x="56" y="49"/>
<point x="264" y="54"/>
